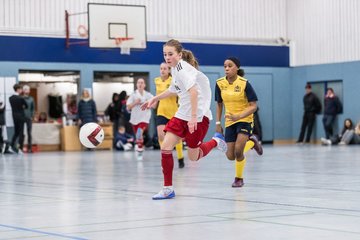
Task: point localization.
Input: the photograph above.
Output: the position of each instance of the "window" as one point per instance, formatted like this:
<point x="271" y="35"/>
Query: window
<point x="319" y="88"/>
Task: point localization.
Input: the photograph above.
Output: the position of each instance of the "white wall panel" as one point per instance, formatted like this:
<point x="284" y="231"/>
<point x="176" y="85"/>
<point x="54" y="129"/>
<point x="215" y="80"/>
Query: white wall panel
<point x="255" y="21"/>
<point x="323" y="31"/>
<point x="245" y="20"/>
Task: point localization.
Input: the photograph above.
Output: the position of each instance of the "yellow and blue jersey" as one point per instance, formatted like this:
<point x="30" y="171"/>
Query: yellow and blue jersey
<point x="167" y="107"/>
<point x="235" y="97"/>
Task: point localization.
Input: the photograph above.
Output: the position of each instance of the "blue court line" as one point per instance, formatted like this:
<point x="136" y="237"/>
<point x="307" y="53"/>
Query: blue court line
<point x="42" y="232"/>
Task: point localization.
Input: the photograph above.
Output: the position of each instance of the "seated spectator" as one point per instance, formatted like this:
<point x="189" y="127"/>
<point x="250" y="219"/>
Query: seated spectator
<point x="123" y="140"/>
<point x="356" y="138"/>
<point x="344" y="138"/>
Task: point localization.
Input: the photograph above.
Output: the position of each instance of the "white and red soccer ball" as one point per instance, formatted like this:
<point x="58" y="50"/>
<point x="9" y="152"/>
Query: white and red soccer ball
<point x="91" y="135"/>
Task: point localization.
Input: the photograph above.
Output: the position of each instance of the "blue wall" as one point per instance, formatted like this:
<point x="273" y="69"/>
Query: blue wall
<point x="348" y="72"/>
<point x="266" y="67"/>
<point x="280" y="88"/>
<point x="31" y="49"/>
<point x="278" y="108"/>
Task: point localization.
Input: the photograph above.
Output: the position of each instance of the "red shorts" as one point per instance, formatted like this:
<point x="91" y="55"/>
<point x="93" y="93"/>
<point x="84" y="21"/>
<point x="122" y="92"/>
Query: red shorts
<point x="141" y="125"/>
<point x="180" y="128"/>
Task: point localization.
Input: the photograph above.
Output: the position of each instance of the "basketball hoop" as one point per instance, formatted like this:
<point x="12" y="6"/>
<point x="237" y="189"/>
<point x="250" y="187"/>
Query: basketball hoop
<point x="124" y="49"/>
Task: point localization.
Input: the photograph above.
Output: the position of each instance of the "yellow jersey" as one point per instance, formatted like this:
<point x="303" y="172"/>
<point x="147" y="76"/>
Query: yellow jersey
<point x="168" y="106"/>
<point x="236" y="97"/>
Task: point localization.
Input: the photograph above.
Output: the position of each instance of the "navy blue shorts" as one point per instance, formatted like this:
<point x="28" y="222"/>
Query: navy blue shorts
<point x="232" y="131"/>
<point x="161" y="120"/>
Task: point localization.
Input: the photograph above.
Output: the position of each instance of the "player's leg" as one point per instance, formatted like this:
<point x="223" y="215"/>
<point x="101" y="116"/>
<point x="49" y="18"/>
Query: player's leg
<point x="180" y="154"/>
<point x="141" y="127"/>
<point x="174" y="131"/>
<point x="167" y="164"/>
<point x="161" y="121"/>
<point x="198" y="149"/>
<point x="240" y="159"/>
<point x="160" y="133"/>
<point x="237" y="137"/>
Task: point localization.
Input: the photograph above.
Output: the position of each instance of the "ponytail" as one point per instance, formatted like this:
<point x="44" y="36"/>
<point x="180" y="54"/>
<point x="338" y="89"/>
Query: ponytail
<point x="189" y="57"/>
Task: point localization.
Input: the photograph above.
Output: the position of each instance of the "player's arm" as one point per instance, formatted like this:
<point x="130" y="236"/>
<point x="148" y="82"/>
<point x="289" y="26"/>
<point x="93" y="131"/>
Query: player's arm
<point x="249" y="110"/>
<point x="219" y="108"/>
<point x="193" y="92"/>
<point x="151" y="103"/>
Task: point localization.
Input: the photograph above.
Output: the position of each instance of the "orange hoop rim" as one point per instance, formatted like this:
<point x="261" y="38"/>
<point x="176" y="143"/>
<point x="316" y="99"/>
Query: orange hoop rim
<point x="119" y="40"/>
<point x="82" y="31"/>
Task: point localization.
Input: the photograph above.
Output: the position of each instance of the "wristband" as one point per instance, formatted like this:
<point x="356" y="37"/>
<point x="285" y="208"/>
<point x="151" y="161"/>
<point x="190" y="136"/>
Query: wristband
<point x="218" y="123"/>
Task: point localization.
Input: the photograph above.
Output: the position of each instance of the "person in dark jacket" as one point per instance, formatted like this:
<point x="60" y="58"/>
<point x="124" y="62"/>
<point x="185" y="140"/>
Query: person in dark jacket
<point x="18" y="104"/>
<point x="312" y="106"/>
<point x="2" y="125"/>
<point x="86" y="109"/>
<point x="113" y="110"/>
<point x="332" y="107"/>
<point x="29" y="115"/>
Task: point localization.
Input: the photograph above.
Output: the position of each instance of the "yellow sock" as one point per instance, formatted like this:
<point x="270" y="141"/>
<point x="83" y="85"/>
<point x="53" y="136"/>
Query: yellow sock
<point x="179" y="150"/>
<point x="248" y="146"/>
<point x="239" y="168"/>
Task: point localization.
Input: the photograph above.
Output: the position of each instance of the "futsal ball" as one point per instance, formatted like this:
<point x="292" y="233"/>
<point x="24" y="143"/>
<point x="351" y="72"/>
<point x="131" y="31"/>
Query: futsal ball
<point x="91" y="135"/>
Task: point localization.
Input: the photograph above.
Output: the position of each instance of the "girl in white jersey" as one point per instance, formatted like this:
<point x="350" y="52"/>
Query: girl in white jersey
<point x="138" y="118"/>
<point x="191" y="121"/>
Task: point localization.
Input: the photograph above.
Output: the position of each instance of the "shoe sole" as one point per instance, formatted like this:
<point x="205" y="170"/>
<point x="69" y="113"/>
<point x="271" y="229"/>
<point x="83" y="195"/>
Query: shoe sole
<point x="164" y="198"/>
<point x="221" y="144"/>
<point x="257" y="147"/>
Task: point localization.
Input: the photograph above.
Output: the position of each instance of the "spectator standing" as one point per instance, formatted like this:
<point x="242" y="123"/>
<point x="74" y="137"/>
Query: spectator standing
<point x="312" y="106"/>
<point x="29" y="115"/>
<point x="18" y="104"/>
<point x="86" y="109"/>
<point x="2" y="126"/>
<point x="332" y="107"/>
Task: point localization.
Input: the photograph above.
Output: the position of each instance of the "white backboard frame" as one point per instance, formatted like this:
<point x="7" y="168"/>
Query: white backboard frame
<point x="110" y="21"/>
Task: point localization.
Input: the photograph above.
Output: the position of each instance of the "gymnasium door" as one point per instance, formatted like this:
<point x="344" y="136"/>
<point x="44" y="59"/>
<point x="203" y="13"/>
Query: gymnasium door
<point x="262" y="83"/>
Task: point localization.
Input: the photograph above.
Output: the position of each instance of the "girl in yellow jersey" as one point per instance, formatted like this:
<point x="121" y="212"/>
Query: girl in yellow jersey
<point x="239" y="99"/>
<point x="166" y="109"/>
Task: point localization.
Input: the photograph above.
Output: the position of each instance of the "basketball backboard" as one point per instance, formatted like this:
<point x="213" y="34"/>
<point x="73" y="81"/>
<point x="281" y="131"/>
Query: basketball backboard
<point x="108" y="22"/>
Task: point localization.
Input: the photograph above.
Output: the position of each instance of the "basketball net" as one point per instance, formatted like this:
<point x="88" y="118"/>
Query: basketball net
<point x="121" y="43"/>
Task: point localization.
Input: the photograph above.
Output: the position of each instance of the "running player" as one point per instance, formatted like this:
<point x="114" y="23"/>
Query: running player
<point x="239" y="98"/>
<point x="191" y="121"/>
<point x="138" y="118"/>
<point x="166" y="109"/>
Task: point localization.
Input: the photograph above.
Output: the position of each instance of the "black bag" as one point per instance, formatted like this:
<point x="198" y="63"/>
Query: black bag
<point x="317" y="105"/>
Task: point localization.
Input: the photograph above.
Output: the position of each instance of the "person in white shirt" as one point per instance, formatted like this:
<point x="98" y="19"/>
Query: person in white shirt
<point x="191" y="121"/>
<point x="138" y="118"/>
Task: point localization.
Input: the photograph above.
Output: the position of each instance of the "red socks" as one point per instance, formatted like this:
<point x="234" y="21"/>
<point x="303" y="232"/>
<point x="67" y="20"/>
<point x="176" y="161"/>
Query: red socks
<point x="205" y="148"/>
<point x="167" y="163"/>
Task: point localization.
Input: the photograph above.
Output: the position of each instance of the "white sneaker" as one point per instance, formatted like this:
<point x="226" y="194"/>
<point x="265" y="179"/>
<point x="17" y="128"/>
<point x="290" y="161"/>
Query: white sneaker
<point x="165" y="193"/>
<point x="127" y="146"/>
<point x="11" y="150"/>
<point x="325" y="141"/>
<point x="221" y="144"/>
<point x="3" y="148"/>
